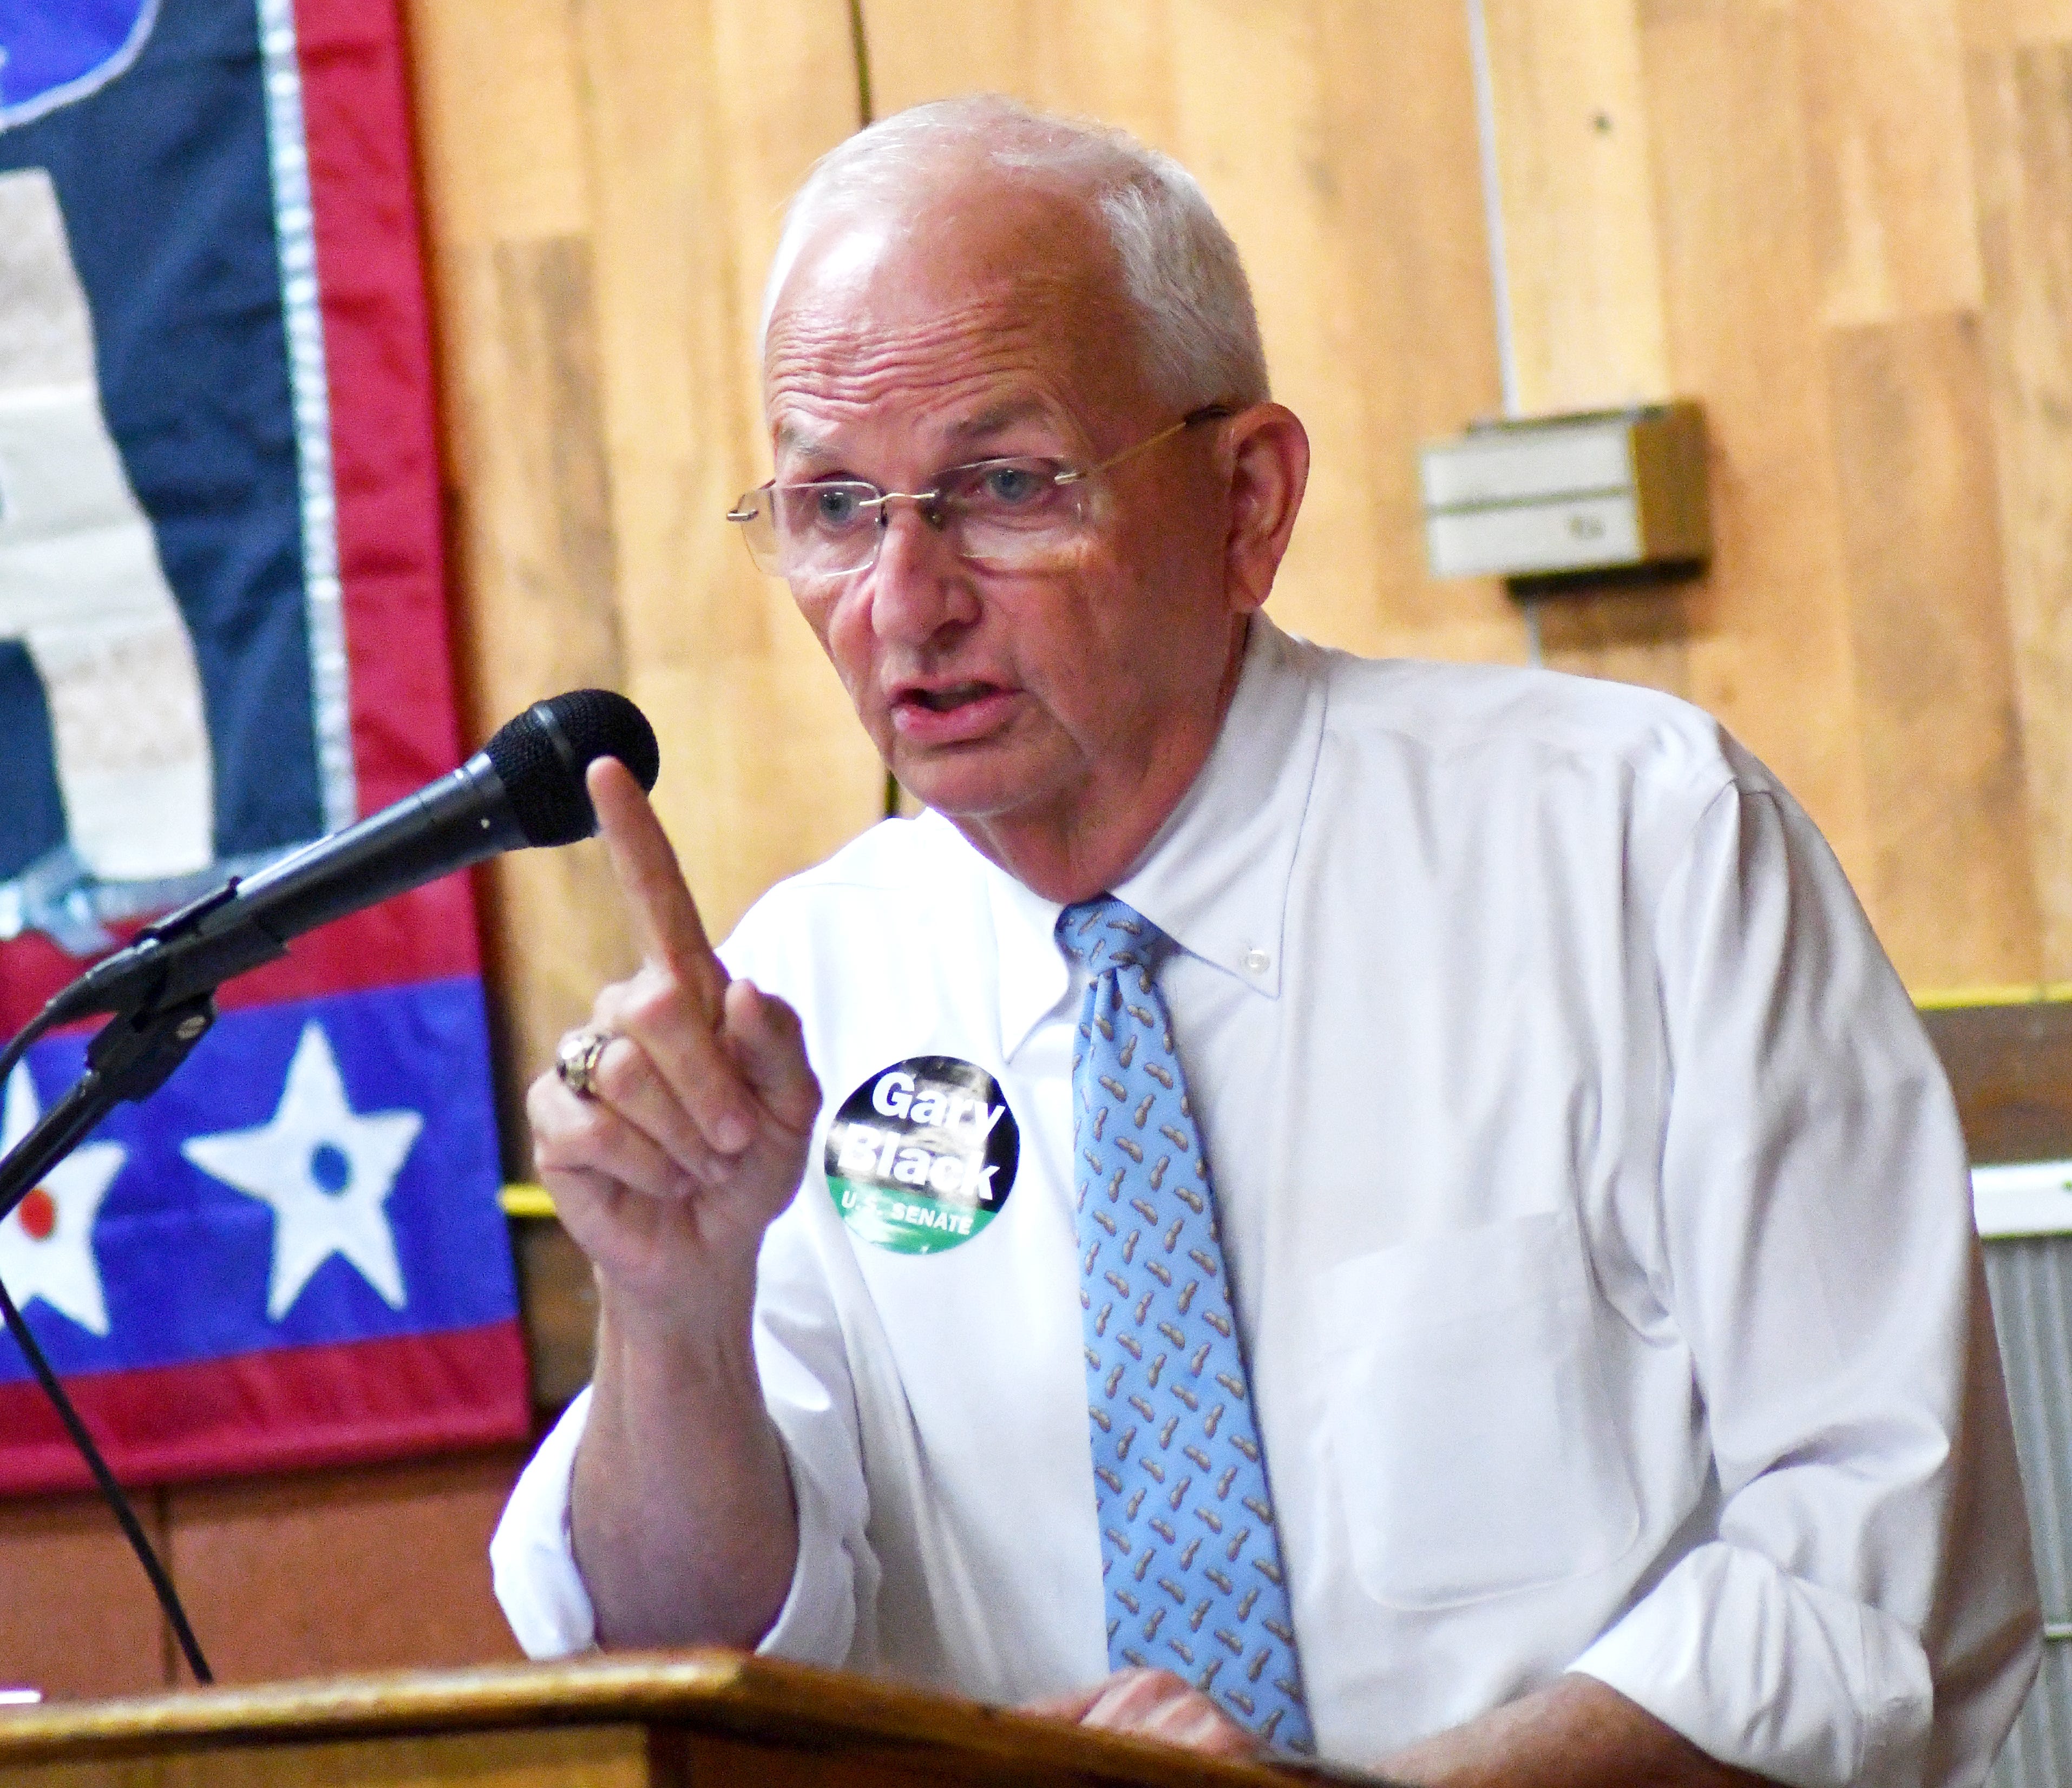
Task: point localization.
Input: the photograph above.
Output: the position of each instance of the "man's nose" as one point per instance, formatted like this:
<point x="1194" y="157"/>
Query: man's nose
<point x="918" y="584"/>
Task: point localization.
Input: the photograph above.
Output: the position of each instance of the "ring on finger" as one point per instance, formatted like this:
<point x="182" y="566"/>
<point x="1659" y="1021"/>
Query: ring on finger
<point x="576" y="1058"/>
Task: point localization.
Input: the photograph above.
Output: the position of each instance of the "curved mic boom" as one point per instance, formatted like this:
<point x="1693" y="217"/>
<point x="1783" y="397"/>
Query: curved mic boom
<point x="524" y="787"/>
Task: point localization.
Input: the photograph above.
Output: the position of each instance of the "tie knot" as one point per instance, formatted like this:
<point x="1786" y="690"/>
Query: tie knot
<point x="1108" y="933"/>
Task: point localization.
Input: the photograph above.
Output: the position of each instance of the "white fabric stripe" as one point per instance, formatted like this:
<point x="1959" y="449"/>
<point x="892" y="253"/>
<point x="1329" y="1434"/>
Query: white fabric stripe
<point x="293" y="223"/>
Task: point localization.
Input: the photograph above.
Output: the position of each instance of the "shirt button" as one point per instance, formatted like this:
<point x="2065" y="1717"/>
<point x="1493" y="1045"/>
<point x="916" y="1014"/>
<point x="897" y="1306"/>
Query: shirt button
<point x="1256" y="962"/>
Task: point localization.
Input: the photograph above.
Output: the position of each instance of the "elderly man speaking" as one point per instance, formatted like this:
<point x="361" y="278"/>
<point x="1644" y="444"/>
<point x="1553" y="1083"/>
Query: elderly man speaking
<point x="1390" y="1209"/>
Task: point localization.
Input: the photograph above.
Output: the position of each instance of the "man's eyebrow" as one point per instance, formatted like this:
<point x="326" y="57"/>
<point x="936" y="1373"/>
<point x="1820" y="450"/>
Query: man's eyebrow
<point x="792" y="438"/>
<point x="992" y="420"/>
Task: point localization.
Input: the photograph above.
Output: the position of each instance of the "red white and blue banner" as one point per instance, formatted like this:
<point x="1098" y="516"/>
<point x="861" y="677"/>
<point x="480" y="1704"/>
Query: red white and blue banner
<point x="222" y="633"/>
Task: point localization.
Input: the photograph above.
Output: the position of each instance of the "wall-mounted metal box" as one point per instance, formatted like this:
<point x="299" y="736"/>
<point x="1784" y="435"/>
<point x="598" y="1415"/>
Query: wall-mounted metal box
<point x="1605" y="490"/>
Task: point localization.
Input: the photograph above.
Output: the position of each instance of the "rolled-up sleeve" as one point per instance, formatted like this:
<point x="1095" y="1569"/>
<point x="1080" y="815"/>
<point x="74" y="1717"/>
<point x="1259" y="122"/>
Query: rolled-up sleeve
<point x="1866" y="1610"/>
<point x="806" y="1386"/>
<point x="532" y="1559"/>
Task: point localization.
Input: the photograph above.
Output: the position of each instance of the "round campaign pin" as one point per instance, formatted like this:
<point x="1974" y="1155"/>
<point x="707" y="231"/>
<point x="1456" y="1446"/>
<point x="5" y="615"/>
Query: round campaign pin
<point x="921" y="1155"/>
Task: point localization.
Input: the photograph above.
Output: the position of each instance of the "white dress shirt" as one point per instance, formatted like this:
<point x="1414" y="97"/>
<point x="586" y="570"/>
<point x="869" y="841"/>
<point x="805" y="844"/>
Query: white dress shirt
<point x="1596" y="1213"/>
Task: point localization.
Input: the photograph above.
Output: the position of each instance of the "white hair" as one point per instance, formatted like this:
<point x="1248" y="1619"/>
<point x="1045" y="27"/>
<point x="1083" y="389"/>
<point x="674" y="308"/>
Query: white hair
<point x="1180" y="269"/>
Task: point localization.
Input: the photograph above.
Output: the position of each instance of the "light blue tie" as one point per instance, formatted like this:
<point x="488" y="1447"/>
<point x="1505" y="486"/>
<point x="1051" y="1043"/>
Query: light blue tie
<point x="1189" y="1555"/>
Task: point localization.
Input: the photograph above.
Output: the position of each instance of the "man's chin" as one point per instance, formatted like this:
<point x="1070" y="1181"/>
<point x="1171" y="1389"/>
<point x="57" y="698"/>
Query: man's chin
<point x="977" y="783"/>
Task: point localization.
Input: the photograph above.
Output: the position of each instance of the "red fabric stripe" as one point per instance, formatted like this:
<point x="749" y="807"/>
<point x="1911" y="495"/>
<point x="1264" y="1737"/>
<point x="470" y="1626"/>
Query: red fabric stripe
<point x="377" y="347"/>
<point x="426" y="935"/>
<point x="294" y="1408"/>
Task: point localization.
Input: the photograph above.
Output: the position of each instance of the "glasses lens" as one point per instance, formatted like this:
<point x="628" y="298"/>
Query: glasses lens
<point x="821" y="529"/>
<point x="751" y="514"/>
<point x="1012" y="511"/>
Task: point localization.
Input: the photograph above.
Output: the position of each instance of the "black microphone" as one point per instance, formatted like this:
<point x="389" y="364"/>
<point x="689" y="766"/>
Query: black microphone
<point x="524" y="787"/>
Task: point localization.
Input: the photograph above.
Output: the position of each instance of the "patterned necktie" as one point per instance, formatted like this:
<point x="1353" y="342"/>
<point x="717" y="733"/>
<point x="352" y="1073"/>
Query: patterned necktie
<point x="1190" y="1557"/>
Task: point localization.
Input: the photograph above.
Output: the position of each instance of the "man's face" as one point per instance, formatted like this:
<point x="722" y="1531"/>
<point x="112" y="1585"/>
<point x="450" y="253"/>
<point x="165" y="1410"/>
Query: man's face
<point x="1030" y="704"/>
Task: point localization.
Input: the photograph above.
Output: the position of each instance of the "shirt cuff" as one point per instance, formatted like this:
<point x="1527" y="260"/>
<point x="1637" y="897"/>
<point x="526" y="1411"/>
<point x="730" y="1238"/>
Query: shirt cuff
<point x="817" y="1623"/>
<point x="532" y="1557"/>
<point x="532" y="1564"/>
<point x="1765" y="1670"/>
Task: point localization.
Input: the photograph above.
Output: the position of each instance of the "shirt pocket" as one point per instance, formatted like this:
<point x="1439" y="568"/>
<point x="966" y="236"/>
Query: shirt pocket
<point x="1476" y="1446"/>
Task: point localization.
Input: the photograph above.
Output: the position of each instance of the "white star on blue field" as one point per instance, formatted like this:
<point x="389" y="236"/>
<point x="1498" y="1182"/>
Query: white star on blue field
<point x="46" y="1241"/>
<point x="325" y="1170"/>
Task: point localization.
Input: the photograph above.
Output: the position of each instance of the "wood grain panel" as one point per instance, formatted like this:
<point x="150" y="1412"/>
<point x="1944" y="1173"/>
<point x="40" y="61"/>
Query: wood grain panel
<point x="1337" y="141"/>
<point x="537" y="556"/>
<point x="1950" y="873"/>
<point x="1577" y="186"/>
<point x="1248" y="87"/>
<point x="2021" y="113"/>
<point x="500" y="106"/>
<point x="2010" y="1069"/>
<point x="2006" y="24"/>
<point x="507" y="209"/>
<point x="1293" y="118"/>
<point x="685" y="115"/>
<point x="606" y="1757"/>
<point x="602" y="188"/>
<point x="1112" y="62"/>
<point x="77" y="1617"/>
<point x="587" y="1757"/>
<point x="381" y="1567"/>
<point x="1637" y="633"/>
<point x="1412" y="334"/>
<point x="1890" y="161"/>
<point x="557" y="1293"/>
<point x="1768" y="644"/>
<point x="1577" y="189"/>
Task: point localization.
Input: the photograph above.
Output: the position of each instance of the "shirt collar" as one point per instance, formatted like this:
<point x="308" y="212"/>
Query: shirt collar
<point x="1214" y="879"/>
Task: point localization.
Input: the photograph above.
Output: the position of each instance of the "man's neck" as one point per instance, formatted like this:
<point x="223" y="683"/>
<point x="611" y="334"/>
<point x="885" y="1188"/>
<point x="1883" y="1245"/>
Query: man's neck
<point x="1069" y="863"/>
<point x="1090" y="843"/>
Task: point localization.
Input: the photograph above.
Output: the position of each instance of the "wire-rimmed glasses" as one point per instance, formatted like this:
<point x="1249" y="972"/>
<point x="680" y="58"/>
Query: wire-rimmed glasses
<point x="1018" y="514"/>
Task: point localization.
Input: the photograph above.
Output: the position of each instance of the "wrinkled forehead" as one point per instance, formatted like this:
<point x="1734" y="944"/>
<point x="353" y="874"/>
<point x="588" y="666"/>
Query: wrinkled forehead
<point x="970" y="304"/>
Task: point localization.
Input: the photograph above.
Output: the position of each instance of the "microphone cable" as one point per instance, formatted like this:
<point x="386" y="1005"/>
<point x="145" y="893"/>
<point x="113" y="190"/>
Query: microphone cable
<point x="534" y="765"/>
<point x="126" y="1516"/>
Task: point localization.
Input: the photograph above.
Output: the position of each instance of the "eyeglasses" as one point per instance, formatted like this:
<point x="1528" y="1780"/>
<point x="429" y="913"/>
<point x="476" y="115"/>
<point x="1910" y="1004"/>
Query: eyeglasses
<point x="1018" y="514"/>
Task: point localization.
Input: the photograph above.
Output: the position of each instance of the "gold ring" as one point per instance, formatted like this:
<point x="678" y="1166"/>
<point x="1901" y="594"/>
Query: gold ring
<point x="576" y="1058"/>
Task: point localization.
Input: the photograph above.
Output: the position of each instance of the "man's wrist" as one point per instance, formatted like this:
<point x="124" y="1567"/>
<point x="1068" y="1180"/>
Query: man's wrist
<point x="1576" y="1733"/>
<point x="702" y="1345"/>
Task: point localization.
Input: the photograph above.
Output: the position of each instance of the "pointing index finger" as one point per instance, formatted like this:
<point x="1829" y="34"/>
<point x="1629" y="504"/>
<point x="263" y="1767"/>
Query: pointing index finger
<point x="658" y="900"/>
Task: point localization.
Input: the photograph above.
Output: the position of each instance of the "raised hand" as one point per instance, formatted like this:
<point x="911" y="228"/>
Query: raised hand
<point x="695" y="1134"/>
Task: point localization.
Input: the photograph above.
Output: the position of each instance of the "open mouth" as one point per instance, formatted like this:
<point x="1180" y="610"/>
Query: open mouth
<point x="949" y="698"/>
<point x="947" y="714"/>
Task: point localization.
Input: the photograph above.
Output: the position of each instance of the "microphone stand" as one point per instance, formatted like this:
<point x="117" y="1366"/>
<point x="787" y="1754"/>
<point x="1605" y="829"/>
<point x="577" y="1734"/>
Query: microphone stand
<point x="129" y="1058"/>
<point x="135" y="1053"/>
<point x="524" y="787"/>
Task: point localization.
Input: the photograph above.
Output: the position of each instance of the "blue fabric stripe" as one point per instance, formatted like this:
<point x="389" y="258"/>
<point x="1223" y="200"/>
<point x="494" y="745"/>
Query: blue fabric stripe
<point x="185" y="1259"/>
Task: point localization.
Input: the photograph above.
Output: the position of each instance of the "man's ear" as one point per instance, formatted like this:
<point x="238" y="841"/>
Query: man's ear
<point x="1266" y="450"/>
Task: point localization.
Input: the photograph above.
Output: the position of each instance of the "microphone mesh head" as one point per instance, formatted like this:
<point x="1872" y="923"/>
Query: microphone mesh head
<point x="541" y="755"/>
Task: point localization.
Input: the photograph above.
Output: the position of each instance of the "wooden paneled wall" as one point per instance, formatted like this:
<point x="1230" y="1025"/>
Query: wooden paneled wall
<point x="1848" y="229"/>
<point x="1834" y="224"/>
<point x="1845" y="228"/>
<point x="602" y="186"/>
<point x="377" y="1568"/>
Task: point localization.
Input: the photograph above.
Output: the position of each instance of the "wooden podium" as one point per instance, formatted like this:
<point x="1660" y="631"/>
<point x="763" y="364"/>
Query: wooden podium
<point x="687" y="1719"/>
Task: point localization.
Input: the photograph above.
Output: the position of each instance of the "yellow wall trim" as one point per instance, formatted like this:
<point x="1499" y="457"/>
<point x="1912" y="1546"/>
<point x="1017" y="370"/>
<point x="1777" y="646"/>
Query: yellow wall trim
<point x="526" y="1201"/>
<point x="1942" y="999"/>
